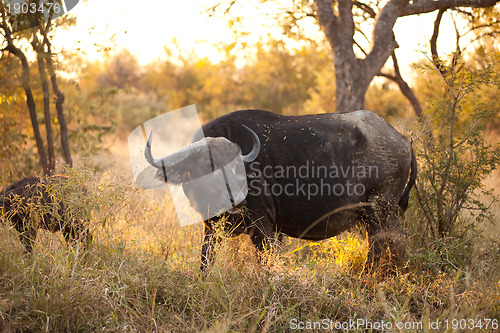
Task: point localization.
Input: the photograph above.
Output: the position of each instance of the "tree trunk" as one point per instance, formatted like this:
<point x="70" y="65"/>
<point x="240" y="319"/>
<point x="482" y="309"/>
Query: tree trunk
<point x="353" y="75"/>
<point x="59" y="104"/>
<point x="30" y="101"/>
<point x="351" y="85"/>
<point x="25" y="81"/>
<point x="40" y="55"/>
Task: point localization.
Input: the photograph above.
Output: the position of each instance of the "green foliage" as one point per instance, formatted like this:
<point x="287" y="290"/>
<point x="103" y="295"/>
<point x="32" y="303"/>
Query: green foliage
<point x="85" y="113"/>
<point x="87" y="109"/>
<point x="121" y="72"/>
<point x="274" y="78"/>
<point x="18" y="143"/>
<point x="321" y="94"/>
<point x="16" y="138"/>
<point x="454" y="156"/>
<point x="387" y="100"/>
<point x="99" y="198"/>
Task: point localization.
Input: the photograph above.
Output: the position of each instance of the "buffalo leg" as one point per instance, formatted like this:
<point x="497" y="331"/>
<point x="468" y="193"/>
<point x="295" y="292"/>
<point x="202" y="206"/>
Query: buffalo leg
<point x="69" y="233"/>
<point x="386" y="237"/>
<point x="262" y="237"/>
<point x="76" y="231"/>
<point x="27" y="237"/>
<point x="207" y="249"/>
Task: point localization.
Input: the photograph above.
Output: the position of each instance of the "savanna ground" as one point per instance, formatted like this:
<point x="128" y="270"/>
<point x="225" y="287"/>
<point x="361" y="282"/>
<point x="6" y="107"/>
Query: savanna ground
<point x="141" y="273"/>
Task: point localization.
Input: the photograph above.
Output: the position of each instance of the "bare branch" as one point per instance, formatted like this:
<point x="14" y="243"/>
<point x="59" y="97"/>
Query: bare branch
<point x="468" y="134"/>
<point x="367" y="9"/>
<point x="433" y="42"/>
<point x="359" y="47"/>
<point x="427" y="210"/>
<point x="428" y="132"/>
<point x="403" y="86"/>
<point x="458" y="52"/>
<point x="346" y="20"/>
<point x="383" y="36"/>
<point x="387" y="76"/>
<point x="491" y="33"/>
<point x="488" y="25"/>
<point x="299" y="16"/>
<point x="326" y="19"/>
<point x="213" y="10"/>
<point x="464" y="12"/>
<point x="363" y="34"/>
<point x="427" y="6"/>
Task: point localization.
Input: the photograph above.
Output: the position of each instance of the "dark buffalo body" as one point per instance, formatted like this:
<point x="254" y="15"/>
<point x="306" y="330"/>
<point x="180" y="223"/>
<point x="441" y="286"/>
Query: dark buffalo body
<point x="32" y="203"/>
<point x="318" y="175"/>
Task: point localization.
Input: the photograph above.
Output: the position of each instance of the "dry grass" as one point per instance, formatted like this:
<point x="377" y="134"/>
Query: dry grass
<point x="142" y="274"/>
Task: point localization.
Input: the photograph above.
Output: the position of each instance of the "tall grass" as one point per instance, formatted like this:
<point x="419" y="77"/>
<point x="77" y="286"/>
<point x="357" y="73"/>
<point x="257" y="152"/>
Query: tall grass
<point x="141" y="273"/>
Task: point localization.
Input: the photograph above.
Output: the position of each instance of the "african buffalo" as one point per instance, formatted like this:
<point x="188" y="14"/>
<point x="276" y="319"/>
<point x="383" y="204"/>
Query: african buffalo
<point x="310" y="177"/>
<point x="39" y="203"/>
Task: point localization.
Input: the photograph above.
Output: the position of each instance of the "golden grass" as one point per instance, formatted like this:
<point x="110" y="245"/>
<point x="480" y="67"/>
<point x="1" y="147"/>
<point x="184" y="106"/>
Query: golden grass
<point x="142" y="274"/>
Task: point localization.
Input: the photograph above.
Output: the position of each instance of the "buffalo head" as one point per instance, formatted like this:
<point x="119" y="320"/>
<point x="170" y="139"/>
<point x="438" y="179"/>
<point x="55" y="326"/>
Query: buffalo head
<point x="210" y="170"/>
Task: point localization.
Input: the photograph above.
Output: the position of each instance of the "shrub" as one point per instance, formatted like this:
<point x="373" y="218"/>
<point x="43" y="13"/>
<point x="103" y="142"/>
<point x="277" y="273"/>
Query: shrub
<point x="454" y="159"/>
<point x="454" y="156"/>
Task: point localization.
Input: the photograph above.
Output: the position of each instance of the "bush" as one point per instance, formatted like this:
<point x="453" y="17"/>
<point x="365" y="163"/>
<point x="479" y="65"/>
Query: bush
<point x="454" y="156"/>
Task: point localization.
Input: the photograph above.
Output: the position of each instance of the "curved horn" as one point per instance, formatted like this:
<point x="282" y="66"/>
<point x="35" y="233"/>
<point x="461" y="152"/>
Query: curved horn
<point x="147" y="153"/>
<point x="251" y="156"/>
<point x="173" y="158"/>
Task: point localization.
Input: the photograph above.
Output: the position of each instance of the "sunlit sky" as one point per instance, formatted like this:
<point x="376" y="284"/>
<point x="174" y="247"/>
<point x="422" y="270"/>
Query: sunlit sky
<point x="146" y="27"/>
